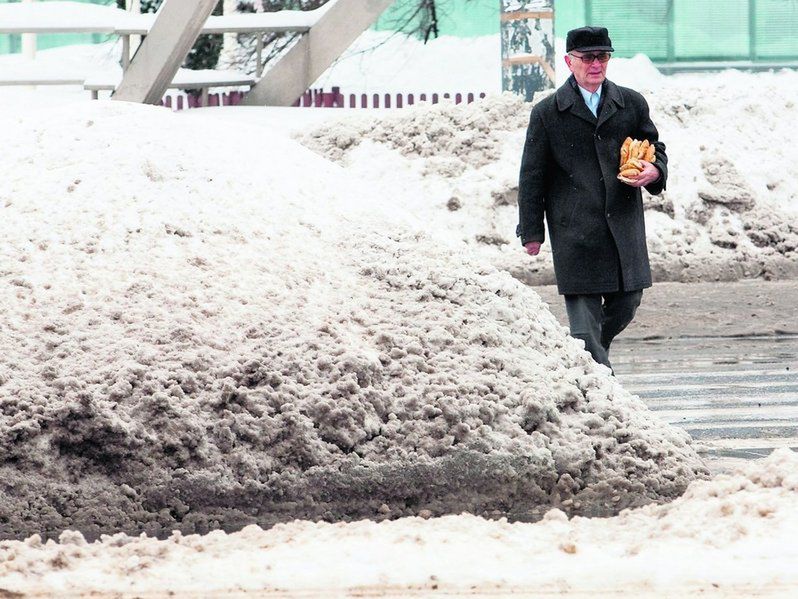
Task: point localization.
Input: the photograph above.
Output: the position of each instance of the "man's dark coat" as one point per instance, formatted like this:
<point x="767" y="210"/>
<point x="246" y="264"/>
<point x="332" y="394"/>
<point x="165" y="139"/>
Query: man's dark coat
<point x="568" y="172"/>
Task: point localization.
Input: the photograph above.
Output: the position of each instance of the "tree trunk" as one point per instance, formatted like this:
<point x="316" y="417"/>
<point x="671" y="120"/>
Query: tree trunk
<point x="230" y="43"/>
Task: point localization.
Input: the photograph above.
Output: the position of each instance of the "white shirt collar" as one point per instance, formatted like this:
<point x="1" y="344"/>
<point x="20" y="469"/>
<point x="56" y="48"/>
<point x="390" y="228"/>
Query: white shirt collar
<point x="586" y="94"/>
<point x="593" y="106"/>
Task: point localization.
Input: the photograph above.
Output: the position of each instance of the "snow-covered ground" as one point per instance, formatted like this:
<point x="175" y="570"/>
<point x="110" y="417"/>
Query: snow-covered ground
<point x="74" y="62"/>
<point x="381" y="62"/>
<point x="197" y="339"/>
<point x="731" y="537"/>
<point x="253" y="331"/>
<point x="728" y="212"/>
<point x="208" y="326"/>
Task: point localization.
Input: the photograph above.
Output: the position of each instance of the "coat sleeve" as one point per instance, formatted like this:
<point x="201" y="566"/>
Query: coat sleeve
<point x="531" y="182"/>
<point x="648" y="131"/>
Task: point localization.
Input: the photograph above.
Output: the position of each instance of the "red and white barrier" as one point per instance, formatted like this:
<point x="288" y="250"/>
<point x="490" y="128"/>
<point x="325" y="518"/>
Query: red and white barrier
<point x="318" y="98"/>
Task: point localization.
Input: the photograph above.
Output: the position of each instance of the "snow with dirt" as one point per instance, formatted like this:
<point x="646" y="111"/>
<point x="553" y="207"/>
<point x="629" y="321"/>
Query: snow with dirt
<point x="196" y="341"/>
<point x="733" y="536"/>
<point x="728" y="213"/>
<point x="208" y="327"/>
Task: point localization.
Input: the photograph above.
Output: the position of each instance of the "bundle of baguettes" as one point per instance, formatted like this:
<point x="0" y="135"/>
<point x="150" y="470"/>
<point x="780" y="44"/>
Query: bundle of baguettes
<point x="633" y="151"/>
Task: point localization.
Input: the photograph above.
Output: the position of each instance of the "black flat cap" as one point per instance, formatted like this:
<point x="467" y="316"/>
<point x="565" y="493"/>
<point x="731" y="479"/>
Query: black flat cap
<point x="587" y="39"/>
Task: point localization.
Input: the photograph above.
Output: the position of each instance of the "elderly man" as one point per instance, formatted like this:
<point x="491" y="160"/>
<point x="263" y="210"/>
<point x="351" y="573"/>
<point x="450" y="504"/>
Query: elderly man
<point x="569" y="175"/>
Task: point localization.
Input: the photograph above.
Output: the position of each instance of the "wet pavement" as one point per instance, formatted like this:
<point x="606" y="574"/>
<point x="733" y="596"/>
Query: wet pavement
<point x="737" y="397"/>
<point x="719" y="359"/>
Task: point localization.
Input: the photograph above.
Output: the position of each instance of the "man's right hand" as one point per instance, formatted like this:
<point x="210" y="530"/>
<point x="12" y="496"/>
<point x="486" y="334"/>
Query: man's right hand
<point x="532" y="248"/>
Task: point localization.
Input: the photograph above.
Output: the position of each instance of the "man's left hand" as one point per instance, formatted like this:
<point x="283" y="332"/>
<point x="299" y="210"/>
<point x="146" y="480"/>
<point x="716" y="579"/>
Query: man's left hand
<point x="647" y="176"/>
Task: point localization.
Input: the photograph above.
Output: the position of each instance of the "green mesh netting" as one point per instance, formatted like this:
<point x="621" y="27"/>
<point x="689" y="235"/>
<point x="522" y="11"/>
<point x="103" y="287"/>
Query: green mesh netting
<point x="665" y="30"/>
<point x="690" y="30"/>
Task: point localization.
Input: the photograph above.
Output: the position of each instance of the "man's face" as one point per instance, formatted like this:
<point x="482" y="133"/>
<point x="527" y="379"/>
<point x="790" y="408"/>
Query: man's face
<point x="591" y="74"/>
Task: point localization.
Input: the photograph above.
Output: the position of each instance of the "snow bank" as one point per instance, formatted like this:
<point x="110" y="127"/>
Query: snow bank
<point x="76" y="62"/>
<point x="637" y="72"/>
<point x="728" y="213"/>
<point x="390" y="62"/>
<point x="732" y="536"/>
<point x="207" y="326"/>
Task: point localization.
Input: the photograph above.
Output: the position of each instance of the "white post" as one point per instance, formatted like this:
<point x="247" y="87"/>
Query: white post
<point x="29" y="42"/>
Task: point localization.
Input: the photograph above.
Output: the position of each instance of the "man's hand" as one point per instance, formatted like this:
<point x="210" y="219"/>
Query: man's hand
<point x="647" y="176"/>
<point x="532" y="248"/>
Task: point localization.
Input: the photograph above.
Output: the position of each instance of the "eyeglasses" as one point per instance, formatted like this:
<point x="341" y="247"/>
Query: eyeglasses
<point x="602" y="57"/>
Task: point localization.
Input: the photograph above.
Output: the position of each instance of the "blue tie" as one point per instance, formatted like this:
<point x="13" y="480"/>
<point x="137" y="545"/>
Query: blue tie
<point x="593" y="103"/>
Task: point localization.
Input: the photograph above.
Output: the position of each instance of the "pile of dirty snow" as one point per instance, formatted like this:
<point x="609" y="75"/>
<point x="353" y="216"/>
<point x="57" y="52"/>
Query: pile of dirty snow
<point x="733" y="536"/>
<point x="207" y="326"/>
<point x="730" y="207"/>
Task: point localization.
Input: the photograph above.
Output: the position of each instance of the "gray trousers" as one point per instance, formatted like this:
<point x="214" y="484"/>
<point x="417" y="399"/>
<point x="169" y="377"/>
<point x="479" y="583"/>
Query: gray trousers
<point x="598" y="318"/>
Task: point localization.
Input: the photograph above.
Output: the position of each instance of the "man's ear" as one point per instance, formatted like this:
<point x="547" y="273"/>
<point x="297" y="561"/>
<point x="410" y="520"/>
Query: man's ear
<point x="567" y="60"/>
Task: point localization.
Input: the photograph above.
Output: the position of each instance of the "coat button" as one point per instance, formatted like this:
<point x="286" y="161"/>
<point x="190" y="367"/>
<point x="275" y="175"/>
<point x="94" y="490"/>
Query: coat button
<point x="608" y="215"/>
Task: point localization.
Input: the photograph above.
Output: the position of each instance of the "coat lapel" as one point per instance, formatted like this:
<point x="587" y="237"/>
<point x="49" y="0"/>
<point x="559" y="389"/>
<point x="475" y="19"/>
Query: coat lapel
<point x="611" y="103"/>
<point x="568" y="97"/>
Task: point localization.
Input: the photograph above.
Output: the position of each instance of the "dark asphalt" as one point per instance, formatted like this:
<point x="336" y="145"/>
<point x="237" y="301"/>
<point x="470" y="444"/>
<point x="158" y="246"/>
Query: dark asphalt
<point x="737" y="397"/>
<point x="718" y="359"/>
